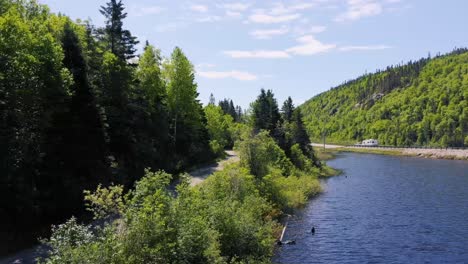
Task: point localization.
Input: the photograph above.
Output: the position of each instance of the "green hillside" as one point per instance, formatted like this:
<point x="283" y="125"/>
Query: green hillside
<point x="422" y="103"/>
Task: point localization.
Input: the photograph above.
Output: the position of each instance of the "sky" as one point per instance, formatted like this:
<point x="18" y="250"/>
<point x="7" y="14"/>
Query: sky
<point x="296" y="48"/>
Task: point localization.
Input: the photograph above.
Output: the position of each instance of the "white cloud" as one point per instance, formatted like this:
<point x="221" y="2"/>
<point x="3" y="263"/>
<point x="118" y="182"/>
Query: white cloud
<point x="199" y="8"/>
<point x="238" y="75"/>
<point x="308" y="29"/>
<point x="360" y="8"/>
<point x="262" y="18"/>
<point x="269" y="33"/>
<point x="363" y="48"/>
<point x="145" y="11"/>
<point x="236" y="6"/>
<point x="310" y="46"/>
<point x="257" y="54"/>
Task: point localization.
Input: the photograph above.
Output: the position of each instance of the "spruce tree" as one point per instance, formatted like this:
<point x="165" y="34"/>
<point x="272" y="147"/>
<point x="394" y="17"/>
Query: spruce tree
<point x="266" y="114"/>
<point x="85" y="138"/>
<point x="120" y="41"/>
<point x="287" y="110"/>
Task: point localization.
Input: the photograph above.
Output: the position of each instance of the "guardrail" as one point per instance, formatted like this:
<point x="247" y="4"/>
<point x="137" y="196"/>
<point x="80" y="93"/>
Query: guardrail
<point x="413" y="147"/>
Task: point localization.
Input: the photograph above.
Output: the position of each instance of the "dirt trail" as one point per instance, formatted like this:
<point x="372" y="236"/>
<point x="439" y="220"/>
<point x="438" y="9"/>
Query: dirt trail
<point x="199" y="175"/>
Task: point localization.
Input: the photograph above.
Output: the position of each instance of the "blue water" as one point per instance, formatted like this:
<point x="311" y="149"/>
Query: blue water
<point x="384" y="209"/>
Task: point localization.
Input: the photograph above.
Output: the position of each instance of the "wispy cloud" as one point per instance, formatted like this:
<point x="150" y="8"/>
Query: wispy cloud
<point x="257" y="54"/>
<point x="199" y="8"/>
<point x="360" y="8"/>
<point x="262" y="18"/>
<point x="238" y="75"/>
<point x="308" y="29"/>
<point x="308" y="45"/>
<point x="364" y="48"/>
<point x="268" y="33"/>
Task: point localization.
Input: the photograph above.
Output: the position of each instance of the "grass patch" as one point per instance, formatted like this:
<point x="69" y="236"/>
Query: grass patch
<point x="327" y="172"/>
<point x="325" y="154"/>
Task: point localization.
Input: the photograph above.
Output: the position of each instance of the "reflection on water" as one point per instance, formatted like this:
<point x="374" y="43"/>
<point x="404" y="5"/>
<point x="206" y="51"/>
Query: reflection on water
<point x="384" y="209"/>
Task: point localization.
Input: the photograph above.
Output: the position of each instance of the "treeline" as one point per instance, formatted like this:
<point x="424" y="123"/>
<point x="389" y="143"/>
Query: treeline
<point x="232" y="217"/>
<point x="421" y="103"/>
<point x="79" y="108"/>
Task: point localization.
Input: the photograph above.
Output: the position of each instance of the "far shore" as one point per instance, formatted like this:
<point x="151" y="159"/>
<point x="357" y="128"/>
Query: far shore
<point x="452" y="154"/>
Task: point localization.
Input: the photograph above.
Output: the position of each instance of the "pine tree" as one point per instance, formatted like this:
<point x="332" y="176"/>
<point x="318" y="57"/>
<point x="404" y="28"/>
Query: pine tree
<point x="287" y="110"/>
<point x="85" y="139"/>
<point x="120" y="41"/>
<point x="266" y="114"/>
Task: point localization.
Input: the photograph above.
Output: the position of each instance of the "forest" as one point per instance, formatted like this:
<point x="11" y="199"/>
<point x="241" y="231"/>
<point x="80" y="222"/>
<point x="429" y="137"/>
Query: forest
<point x="421" y="103"/>
<point x="92" y="132"/>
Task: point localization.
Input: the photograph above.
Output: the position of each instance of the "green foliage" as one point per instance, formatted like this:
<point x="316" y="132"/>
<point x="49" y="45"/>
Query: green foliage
<point x="421" y="103"/>
<point x="64" y="239"/>
<point x="290" y="192"/>
<point x="260" y="153"/>
<point x="74" y="111"/>
<point x="225" y="220"/>
<point x="218" y="125"/>
<point x="119" y="41"/>
<point x="228" y="108"/>
<point x="105" y="202"/>
<point x="265" y="112"/>
<point x="187" y="118"/>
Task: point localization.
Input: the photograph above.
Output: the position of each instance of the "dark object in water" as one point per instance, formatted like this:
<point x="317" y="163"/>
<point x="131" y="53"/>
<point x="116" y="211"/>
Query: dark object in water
<point x="287" y="242"/>
<point x="312" y="230"/>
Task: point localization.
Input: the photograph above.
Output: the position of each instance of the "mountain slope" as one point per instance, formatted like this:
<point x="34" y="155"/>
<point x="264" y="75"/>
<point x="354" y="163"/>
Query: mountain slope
<point x="423" y="103"/>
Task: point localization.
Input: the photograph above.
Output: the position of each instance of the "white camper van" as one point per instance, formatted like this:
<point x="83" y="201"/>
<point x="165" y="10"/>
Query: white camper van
<point x="370" y="142"/>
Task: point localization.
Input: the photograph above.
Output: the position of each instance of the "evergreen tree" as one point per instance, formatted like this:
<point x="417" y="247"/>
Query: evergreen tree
<point x="238" y="114"/>
<point x="266" y="114"/>
<point x="84" y="145"/>
<point x="287" y="110"/>
<point x="120" y="41"/>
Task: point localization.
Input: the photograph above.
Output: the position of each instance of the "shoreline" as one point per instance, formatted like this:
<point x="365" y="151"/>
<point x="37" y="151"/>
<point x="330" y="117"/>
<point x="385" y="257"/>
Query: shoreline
<point x="449" y="154"/>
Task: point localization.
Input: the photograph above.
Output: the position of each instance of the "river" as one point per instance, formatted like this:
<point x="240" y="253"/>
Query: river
<point x="384" y="209"/>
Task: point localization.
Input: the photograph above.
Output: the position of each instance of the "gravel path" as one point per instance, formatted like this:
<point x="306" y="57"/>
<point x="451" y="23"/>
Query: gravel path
<point x="199" y="175"/>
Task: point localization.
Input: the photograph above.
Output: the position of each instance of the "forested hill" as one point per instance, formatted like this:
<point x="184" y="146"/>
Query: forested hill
<point x="421" y="103"/>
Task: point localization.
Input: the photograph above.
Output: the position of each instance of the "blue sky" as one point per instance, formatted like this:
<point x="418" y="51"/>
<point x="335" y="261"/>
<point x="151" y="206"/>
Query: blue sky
<point x="297" y="48"/>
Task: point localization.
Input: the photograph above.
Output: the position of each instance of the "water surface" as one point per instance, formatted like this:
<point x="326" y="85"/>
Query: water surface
<point x="384" y="209"/>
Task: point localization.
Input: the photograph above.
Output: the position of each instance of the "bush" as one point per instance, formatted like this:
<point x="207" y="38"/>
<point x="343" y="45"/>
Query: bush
<point x="260" y="153"/>
<point x="290" y="192"/>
